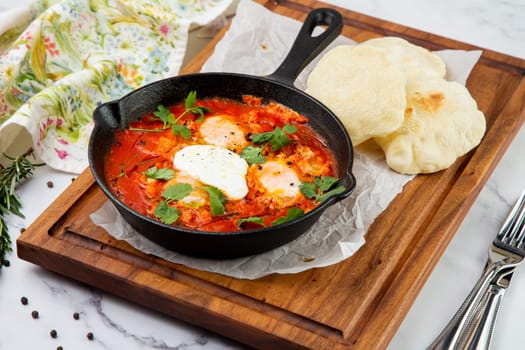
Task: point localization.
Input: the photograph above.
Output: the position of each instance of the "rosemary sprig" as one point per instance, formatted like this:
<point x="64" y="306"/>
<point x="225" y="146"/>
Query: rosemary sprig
<point x="20" y="169"/>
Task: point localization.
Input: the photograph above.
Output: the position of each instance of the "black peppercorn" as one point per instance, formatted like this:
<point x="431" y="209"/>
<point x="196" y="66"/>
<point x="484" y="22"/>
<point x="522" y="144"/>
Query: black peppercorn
<point x="24" y="300"/>
<point x="76" y="315"/>
<point x="90" y="336"/>
<point x="60" y="347"/>
<point x="53" y="333"/>
<point x="6" y="263"/>
<point x="34" y="314"/>
<point x="50" y="184"/>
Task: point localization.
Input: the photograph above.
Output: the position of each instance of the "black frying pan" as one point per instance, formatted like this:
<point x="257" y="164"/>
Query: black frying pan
<point x="277" y="87"/>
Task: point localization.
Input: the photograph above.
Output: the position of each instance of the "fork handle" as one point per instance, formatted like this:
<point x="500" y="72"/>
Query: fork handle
<point x="484" y="328"/>
<point x="454" y="336"/>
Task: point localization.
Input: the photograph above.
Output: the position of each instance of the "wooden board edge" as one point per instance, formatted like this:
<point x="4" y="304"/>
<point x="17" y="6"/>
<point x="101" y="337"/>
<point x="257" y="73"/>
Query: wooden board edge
<point x="182" y="301"/>
<point x="59" y="206"/>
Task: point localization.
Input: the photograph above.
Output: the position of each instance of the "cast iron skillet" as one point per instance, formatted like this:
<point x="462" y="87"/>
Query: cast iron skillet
<point x="278" y="87"/>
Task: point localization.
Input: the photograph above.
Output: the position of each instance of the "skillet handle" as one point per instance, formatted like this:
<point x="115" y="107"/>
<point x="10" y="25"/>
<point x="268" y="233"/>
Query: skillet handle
<point x="349" y="182"/>
<point x="306" y="47"/>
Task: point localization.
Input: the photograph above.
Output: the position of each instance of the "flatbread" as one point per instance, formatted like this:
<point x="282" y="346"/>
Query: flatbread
<point x="415" y="61"/>
<point x="362" y="86"/>
<point x="442" y="122"/>
<point x="395" y="92"/>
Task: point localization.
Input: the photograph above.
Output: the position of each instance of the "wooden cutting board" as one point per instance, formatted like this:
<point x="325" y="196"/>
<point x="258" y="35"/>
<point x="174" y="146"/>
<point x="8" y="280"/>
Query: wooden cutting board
<point x="356" y="304"/>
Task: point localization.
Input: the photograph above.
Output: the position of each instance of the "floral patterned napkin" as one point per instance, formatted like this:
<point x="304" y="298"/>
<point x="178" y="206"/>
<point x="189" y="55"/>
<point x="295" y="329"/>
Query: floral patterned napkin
<point x="64" y="57"/>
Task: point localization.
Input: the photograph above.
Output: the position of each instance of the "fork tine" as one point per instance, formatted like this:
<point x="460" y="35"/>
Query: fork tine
<point x="510" y="230"/>
<point x="521" y="236"/>
<point x="517" y="228"/>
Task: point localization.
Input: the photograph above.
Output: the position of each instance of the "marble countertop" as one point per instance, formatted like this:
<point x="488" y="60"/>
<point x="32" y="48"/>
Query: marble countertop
<point x="116" y="324"/>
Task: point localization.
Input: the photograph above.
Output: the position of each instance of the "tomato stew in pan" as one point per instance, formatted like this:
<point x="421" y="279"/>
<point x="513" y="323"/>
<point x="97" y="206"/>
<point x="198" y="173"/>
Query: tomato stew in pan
<point x="221" y="165"/>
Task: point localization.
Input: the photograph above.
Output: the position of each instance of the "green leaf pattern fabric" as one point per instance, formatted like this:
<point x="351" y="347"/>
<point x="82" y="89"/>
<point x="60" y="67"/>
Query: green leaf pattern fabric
<point x="71" y="55"/>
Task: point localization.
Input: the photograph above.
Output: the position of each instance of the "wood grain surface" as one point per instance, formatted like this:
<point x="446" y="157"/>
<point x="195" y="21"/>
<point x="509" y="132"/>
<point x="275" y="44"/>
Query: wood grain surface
<point x="356" y="304"/>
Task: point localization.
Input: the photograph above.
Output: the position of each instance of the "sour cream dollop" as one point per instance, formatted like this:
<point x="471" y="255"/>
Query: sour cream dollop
<point x="215" y="166"/>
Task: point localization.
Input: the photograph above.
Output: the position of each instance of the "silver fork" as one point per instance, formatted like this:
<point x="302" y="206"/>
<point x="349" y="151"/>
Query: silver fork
<point x="473" y="324"/>
<point x="482" y="329"/>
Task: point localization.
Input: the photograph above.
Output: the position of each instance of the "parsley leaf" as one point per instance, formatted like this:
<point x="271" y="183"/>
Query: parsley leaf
<point x="252" y="219"/>
<point x="165" y="213"/>
<point x="189" y="103"/>
<point x="217" y="200"/>
<point x="159" y="174"/>
<point x="253" y="155"/>
<point x="262" y="137"/>
<point x="308" y="189"/>
<point x="291" y="214"/>
<point x="289" y="128"/>
<point x="277" y="138"/>
<point x="164" y="115"/>
<point x="318" y="189"/>
<point x="177" y="191"/>
<point x="200" y="111"/>
<point x="182" y="130"/>
<point x="335" y="191"/>
<point x="169" y="120"/>
<point x="190" y="100"/>
<point x="324" y="183"/>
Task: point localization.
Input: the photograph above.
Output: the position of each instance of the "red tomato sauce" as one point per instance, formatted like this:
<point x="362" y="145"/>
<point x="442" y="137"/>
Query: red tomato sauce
<point x="148" y="143"/>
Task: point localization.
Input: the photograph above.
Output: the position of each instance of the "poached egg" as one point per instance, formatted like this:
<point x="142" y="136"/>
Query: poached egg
<point x="279" y="180"/>
<point x="223" y="132"/>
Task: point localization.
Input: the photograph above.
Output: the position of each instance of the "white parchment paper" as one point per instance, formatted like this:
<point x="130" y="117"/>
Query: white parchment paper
<point x="256" y="43"/>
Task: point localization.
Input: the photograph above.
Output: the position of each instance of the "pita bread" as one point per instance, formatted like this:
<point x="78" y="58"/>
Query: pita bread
<point x="415" y="61"/>
<point x="442" y="122"/>
<point x="363" y="88"/>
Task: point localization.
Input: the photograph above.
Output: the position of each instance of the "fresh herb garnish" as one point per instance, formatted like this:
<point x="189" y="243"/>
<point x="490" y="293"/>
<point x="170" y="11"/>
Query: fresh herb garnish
<point x="159" y="174"/>
<point x="253" y="155"/>
<point x="291" y="214"/>
<point x="164" y="115"/>
<point x="181" y="130"/>
<point x="20" y="169"/>
<point x="166" y="213"/>
<point x="252" y="219"/>
<point x="217" y="200"/>
<point x="320" y="188"/>
<point x="169" y="120"/>
<point x="189" y="103"/>
<point x="277" y="138"/>
<point x="177" y="192"/>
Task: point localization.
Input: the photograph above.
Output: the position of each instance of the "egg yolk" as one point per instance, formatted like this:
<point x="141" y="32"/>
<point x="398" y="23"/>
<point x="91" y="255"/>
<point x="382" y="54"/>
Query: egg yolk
<point x="278" y="179"/>
<point x="222" y="131"/>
